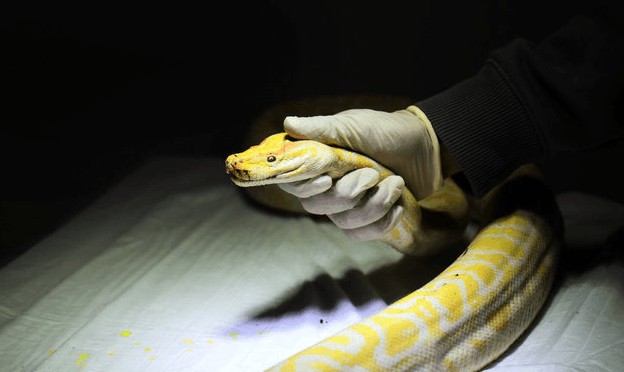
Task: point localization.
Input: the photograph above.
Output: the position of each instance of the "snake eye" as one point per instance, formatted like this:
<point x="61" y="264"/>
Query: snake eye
<point x="271" y="159"/>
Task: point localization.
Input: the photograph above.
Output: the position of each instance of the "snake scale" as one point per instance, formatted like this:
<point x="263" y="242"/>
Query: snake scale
<point x="470" y="313"/>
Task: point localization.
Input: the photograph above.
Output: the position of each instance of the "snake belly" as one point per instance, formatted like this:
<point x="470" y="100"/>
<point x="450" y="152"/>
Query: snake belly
<point x="461" y="320"/>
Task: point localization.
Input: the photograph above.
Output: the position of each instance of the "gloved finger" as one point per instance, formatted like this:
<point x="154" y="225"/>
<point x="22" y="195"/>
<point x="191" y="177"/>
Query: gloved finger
<point x="373" y="206"/>
<point x="337" y="130"/>
<point x="311" y="127"/>
<point x="345" y="193"/>
<point x="307" y="188"/>
<point x="377" y="229"/>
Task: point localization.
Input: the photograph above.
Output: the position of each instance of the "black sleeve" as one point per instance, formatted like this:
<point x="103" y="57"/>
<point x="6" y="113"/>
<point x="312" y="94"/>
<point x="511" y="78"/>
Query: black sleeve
<point x="530" y="103"/>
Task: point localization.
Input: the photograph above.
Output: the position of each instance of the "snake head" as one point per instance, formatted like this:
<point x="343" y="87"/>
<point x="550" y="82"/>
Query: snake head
<point x="278" y="159"/>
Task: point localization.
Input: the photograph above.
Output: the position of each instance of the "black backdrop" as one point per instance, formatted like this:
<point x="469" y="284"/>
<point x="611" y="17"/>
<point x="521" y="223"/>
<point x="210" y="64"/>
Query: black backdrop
<point x="90" y="91"/>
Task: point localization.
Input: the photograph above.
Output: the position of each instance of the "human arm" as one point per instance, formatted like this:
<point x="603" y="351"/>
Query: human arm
<point x="529" y="103"/>
<point x="532" y="103"/>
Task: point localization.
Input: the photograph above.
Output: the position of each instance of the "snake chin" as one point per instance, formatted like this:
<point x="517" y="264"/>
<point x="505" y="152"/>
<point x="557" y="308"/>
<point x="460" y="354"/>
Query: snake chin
<point x="279" y="178"/>
<point x="250" y="183"/>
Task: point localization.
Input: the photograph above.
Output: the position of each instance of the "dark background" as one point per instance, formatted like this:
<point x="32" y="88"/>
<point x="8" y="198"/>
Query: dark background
<point x="92" y="91"/>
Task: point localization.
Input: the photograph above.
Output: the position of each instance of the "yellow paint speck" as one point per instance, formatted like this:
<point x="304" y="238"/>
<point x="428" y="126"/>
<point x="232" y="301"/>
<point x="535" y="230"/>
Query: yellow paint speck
<point x="211" y="341"/>
<point x="137" y="343"/>
<point x="187" y="341"/>
<point x="111" y="353"/>
<point x="189" y="350"/>
<point x="82" y="360"/>
<point x="147" y="349"/>
<point x="234" y="335"/>
<point x="125" y="333"/>
<point x="152" y="358"/>
<point x="51" y="352"/>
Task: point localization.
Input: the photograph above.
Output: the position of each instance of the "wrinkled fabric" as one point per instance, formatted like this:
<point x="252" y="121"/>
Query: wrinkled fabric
<point x="172" y="269"/>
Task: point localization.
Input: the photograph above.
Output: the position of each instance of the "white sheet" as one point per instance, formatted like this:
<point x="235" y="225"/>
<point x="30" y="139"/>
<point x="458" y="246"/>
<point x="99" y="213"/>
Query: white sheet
<point x="172" y="270"/>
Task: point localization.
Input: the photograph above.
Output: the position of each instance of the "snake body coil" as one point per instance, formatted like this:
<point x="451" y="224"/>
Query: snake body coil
<point x="464" y="318"/>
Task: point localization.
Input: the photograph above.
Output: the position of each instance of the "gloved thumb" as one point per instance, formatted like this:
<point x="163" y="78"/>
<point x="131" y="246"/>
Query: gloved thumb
<point x="329" y="129"/>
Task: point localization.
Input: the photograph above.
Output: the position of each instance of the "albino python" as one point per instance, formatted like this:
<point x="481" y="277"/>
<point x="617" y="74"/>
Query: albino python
<point x="471" y="312"/>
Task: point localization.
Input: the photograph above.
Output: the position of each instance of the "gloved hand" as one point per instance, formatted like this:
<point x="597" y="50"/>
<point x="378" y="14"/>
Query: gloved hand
<point x="403" y="141"/>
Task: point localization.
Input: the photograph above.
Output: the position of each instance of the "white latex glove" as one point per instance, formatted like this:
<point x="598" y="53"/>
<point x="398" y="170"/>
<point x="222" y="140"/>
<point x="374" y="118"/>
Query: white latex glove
<point x="403" y="141"/>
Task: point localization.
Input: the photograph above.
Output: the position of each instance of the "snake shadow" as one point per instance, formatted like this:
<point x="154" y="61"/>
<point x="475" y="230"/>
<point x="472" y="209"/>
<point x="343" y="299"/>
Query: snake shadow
<point x="364" y="293"/>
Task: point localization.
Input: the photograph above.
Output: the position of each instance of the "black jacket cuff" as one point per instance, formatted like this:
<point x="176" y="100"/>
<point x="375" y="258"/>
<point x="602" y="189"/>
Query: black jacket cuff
<point x="486" y="127"/>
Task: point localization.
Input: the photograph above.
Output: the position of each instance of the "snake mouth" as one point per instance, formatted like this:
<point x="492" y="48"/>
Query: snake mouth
<point x="248" y="182"/>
